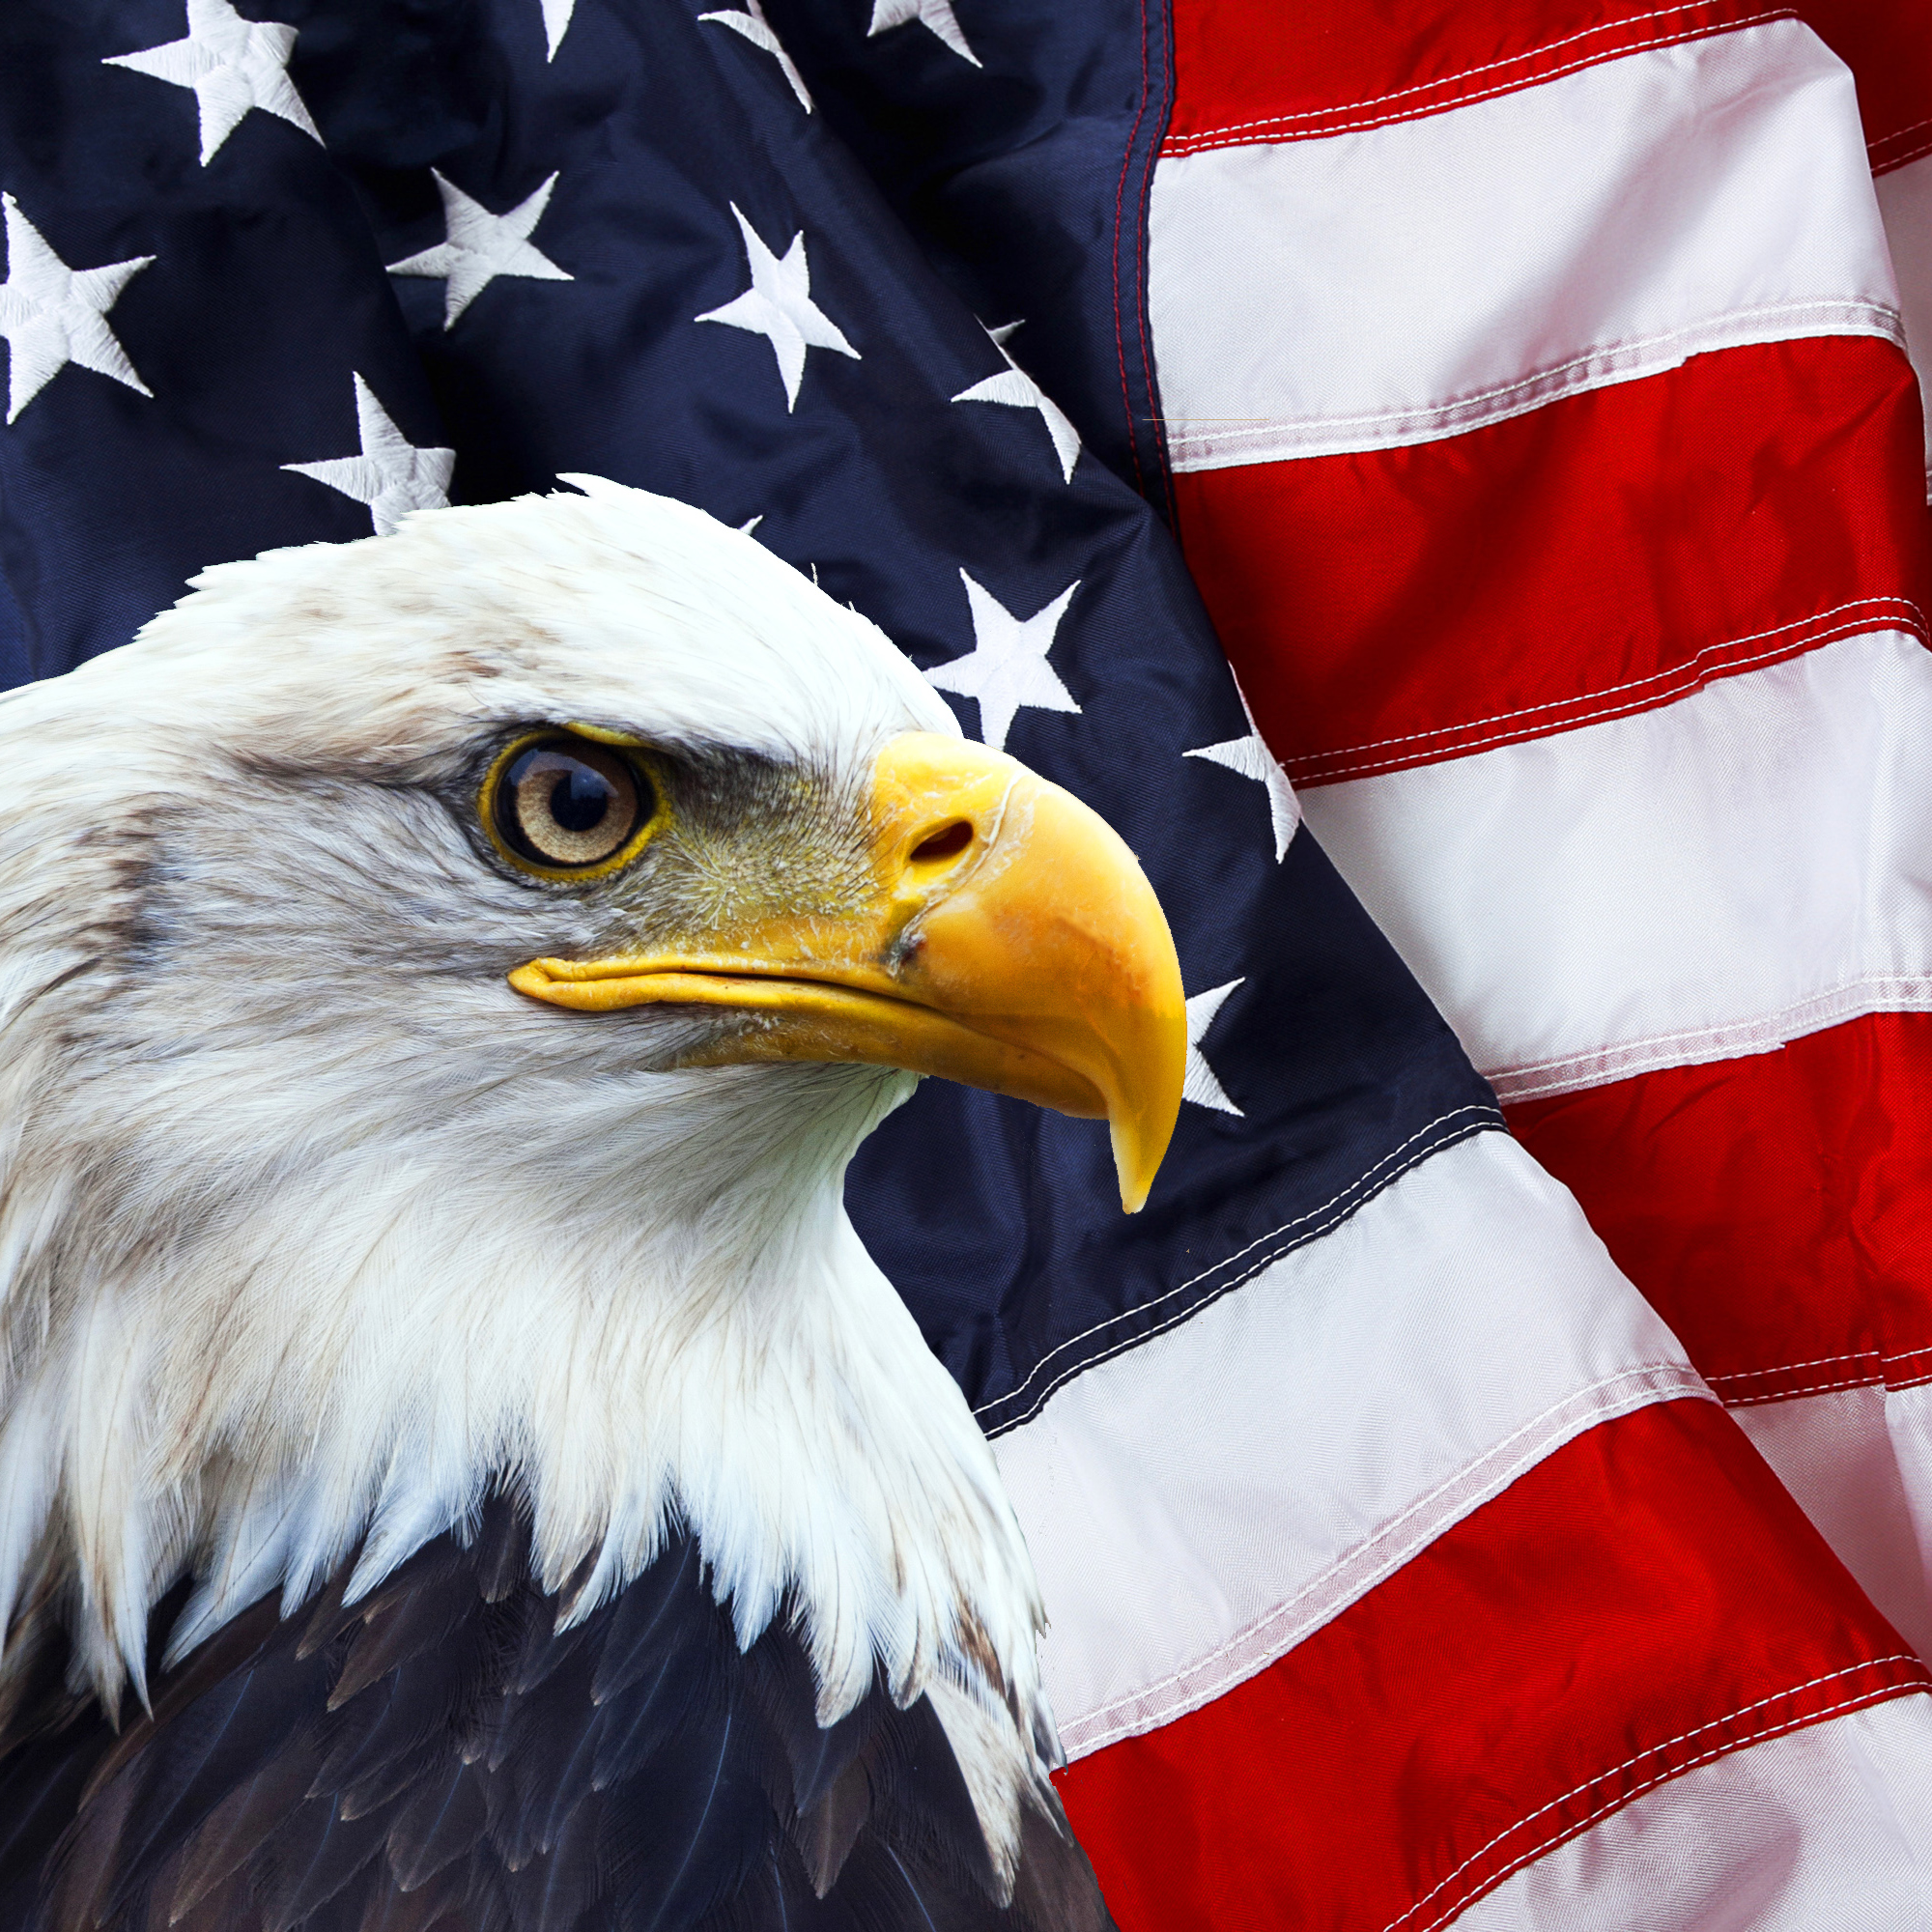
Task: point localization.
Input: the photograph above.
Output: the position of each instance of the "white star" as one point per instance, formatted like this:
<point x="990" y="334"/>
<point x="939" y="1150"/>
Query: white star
<point x="1007" y="667"/>
<point x="555" y="18"/>
<point x="52" y="315"/>
<point x="1251" y="757"/>
<point x="1018" y="390"/>
<point x="1199" y="1083"/>
<point x="757" y="29"/>
<point x="391" y="475"/>
<point x="232" y="63"/>
<point x="778" y="306"/>
<point x="934" y="14"/>
<point x="481" y="246"/>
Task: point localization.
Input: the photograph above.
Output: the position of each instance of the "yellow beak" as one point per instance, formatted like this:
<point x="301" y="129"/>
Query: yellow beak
<point x="1010" y="942"/>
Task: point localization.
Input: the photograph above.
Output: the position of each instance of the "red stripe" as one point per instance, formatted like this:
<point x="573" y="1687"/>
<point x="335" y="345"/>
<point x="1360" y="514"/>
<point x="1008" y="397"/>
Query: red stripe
<point x="1887" y="46"/>
<point x="1258" y="70"/>
<point x="1777" y="1211"/>
<point x="1646" y="1598"/>
<point x="1604" y="554"/>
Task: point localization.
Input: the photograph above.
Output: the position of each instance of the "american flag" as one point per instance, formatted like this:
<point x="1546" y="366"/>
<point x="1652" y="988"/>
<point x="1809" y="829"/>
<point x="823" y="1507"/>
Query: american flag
<point x="1529" y="390"/>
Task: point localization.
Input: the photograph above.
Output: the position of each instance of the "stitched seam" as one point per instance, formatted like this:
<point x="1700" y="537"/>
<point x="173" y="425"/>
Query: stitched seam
<point x="1786" y="1368"/>
<point x="1653" y="1750"/>
<point x="1810" y="1389"/>
<point x="1230" y="137"/>
<point x="1119" y="198"/>
<point x="1322" y="774"/>
<point x="1722" y="1026"/>
<point x="1209" y="1298"/>
<point x="1164" y="467"/>
<point x="1878" y="1355"/>
<point x="1629" y="684"/>
<point x="1538" y="378"/>
<point x="1228" y="1260"/>
<point x="1879" y="1693"/>
<point x="1918" y="151"/>
<point x="1899" y="133"/>
<point x="1879" y="1381"/>
<point x="1493" y="1484"/>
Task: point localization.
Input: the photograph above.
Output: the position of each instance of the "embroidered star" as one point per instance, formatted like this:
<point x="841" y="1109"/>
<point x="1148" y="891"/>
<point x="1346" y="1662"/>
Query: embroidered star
<point x="555" y="18"/>
<point x="1200" y="1083"/>
<point x="391" y="475"/>
<point x="52" y="315"/>
<point x="1007" y="670"/>
<point x="757" y="29"/>
<point x="936" y="15"/>
<point x="1251" y="757"/>
<point x="778" y="306"/>
<point x="232" y="63"/>
<point x="1018" y="390"/>
<point x="479" y="246"/>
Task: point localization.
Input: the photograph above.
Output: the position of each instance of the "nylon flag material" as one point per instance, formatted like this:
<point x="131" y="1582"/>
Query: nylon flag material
<point x="1536" y="369"/>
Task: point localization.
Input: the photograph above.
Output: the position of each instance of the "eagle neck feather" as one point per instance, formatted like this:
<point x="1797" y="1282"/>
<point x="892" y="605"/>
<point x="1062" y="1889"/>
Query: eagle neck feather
<point x="335" y="1361"/>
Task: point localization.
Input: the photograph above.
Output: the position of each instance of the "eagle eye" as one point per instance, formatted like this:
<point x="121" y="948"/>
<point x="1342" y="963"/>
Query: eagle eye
<point x="559" y="804"/>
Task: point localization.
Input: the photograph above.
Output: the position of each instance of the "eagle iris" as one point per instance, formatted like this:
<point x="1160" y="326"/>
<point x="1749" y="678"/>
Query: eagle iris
<point x="562" y="802"/>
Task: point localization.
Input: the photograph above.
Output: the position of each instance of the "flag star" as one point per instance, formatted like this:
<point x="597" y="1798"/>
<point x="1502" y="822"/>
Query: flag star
<point x="1200" y="1083"/>
<point x="391" y="475"/>
<point x="1251" y="757"/>
<point x="233" y="65"/>
<point x="1007" y="670"/>
<point x="936" y="15"/>
<point x="555" y="18"/>
<point x="1018" y="390"/>
<point x="52" y="315"/>
<point x="479" y="246"/>
<point x="778" y="306"/>
<point x="757" y="29"/>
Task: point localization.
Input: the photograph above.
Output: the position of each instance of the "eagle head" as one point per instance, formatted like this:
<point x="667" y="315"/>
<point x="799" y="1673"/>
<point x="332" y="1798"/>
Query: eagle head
<point x="442" y="980"/>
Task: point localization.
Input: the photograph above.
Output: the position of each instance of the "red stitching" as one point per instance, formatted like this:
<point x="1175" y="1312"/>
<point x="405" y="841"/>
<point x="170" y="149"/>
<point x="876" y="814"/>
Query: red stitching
<point x="1191" y="144"/>
<point x="1120" y="200"/>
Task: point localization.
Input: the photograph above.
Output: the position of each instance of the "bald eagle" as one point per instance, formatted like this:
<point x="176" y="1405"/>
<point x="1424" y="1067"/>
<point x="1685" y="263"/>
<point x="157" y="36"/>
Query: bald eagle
<point x="458" y="1465"/>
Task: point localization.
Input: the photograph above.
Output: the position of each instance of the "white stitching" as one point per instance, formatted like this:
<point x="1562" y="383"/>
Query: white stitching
<point x="1629" y="684"/>
<point x="1880" y="1357"/>
<point x="1177" y="431"/>
<point x="1769" y="1020"/>
<point x="1786" y="1368"/>
<point x="1465" y="74"/>
<point x="1228" y="137"/>
<point x="1855" y="1702"/>
<point x="1651" y="1751"/>
<point x="1489" y="1116"/>
<point x="1228" y="1261"/>
<point x="1837" y="635"/>
<point x="1877" y="1381"/>
<point x="1494" y="1483"/>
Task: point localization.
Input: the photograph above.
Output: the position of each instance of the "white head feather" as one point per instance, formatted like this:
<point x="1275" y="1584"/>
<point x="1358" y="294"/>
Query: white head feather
<point x="310" y="1228"/>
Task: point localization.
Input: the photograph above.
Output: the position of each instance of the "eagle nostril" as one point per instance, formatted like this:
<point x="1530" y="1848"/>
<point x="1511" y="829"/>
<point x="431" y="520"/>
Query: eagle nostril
<point x="948" y="842"/>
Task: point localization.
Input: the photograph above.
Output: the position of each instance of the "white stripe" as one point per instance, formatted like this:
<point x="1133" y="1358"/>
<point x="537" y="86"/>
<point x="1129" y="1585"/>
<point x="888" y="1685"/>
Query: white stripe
<point x="1826" y="1827"/>
<point x="1905" y="201"/>
<point x="1404" y="283"/>
<point x="1198" y="1505"/>
<point x="1693" y="883"/>
<point x="1860" y="1462"/>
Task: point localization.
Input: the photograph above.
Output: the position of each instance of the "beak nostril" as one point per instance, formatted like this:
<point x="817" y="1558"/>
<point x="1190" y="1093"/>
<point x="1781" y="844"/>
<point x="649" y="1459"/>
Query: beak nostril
<point x="948" y="842"/>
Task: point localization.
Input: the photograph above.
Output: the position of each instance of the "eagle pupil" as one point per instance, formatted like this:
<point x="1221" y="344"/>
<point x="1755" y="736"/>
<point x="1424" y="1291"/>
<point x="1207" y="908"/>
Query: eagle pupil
<point x="580" y="799"/>
<point x="560" y="802"/>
